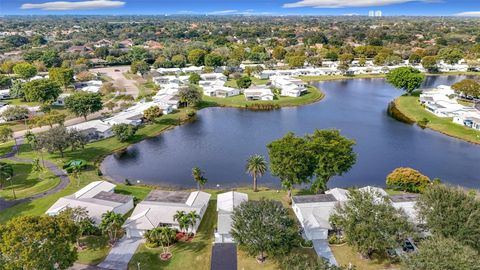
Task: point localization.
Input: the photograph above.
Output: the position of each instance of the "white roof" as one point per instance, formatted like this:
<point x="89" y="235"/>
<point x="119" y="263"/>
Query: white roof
<point x="224" y="223"/>
<point x="86" y="198"/>
<point x="150" y="214"/>
<point x="339" y="193"/>
<point x="229" y="200"/>
<point x="372" y="189"/>
<point x="98" y="125"/>
<point x="93" y="189"/>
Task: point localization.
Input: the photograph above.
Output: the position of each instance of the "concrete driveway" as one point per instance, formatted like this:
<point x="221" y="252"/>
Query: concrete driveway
<point x="116" y="73"/>
<point x="121" y="254"/>
<point x="323" y="250"/>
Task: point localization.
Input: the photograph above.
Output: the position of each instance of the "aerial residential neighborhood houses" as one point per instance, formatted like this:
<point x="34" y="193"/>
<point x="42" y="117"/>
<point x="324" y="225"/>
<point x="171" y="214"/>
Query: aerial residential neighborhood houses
<point x="442" y="101"/>
<point x="159" y="207"/>
<point x="96" y="198"/>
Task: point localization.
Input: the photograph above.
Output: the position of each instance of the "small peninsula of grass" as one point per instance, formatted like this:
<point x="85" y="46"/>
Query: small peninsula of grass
<point x="410" y="107"/>
<point x="26" y="182"/>
<point x="313" y="94"/>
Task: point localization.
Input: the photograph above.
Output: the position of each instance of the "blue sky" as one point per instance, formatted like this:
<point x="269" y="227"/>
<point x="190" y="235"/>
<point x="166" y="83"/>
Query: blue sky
<point x="257" y="7"/>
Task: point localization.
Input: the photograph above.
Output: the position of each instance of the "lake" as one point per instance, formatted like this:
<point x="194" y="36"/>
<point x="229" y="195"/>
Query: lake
<point x="221" y="139"/>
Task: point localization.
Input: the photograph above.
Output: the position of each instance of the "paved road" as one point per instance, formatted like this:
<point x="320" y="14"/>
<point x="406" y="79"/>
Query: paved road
<point x="118" y="79"/>
<point x="64" y="180"/>
<point x="121" y="254"/>
<point x="69" y="122"/>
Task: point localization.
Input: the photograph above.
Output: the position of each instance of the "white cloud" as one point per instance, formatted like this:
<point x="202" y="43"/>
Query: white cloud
<point x="469" y="14"/>
<point x="69" y="5"/>
<point x="223" y="12"/>
<point x="347" y="3"/>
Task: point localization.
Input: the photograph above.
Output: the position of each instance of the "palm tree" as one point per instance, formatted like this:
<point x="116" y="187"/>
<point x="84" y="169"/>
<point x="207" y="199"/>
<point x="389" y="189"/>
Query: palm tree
<point x="6" y="173"/>
<point x="192" y="218"/>
<point x="166" y="238"/>
<point x="112" y="224"/>
<point x="36" y="167"/>
<point x="256" y="167"/>
<point x="198" y="177"/>
<point x="181" y="218"/>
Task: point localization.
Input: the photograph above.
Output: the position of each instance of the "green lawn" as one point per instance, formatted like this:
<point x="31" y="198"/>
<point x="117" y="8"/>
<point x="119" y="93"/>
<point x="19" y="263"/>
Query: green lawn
<point x="197" y="254"/>
<point x="313" y="94"/>
<point x="344" y="254"/>
<point x="412" y="109"/>
<point x="27" y="182"/>
<point x="96" y="249"/>
<point x="6" y="147"/>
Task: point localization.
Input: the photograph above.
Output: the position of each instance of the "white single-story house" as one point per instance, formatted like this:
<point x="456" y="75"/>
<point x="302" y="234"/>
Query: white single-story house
<point x="61" y="99"/>
<point x="5" y="94"/>
<point x="159" y="208"/>
<point x="226" y="202"/>
<point x="97" y="198"/>
<point x="193" y="69"/>
<point x="134" y="114"/>
<point x="169" y="70"/>
<point x="289" y="86"/>
<point x="258" y="93"/>
<point x="218" y="90"/>
<point x="213" y="77"/>
<point x="94" y="129"/>
<point x="171" y="100"/>
<point x="313" y="211"/>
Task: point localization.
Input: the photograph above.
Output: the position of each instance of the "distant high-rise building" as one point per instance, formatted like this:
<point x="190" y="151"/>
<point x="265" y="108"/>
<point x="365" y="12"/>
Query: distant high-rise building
<point x="375" y="13"/>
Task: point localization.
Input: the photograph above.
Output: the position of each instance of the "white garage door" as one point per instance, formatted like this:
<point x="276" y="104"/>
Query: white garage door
<point x="132" y="233"/>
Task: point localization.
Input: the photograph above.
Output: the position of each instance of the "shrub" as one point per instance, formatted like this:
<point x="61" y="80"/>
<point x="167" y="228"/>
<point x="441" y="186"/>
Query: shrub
<point x="407" y="179"/>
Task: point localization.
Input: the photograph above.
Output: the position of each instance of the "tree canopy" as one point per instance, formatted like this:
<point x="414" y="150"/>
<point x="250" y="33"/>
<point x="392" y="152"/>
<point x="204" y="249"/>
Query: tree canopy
<point x="244" y="82"/>
<point x="84" y="103"/>
<point x="405" y="78"/>
<point x="61" y="76"/>
<point x="370" y="223"/>
<point x="124" y="132"/>
<point x="43" y="90"/>
<point x="407" y="179"/>
<point x="262" y="227"/>
<point x="38" y="242"/>
<point x="25" y="70"/>
<point x="440" y="253"/>
<point x="452" y="213"/>
<point x="190" y="95"/>
<point x="467" y="87"/>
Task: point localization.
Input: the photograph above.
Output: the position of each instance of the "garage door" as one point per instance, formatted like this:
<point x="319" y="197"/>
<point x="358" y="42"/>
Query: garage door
<point x="132" y="233"/>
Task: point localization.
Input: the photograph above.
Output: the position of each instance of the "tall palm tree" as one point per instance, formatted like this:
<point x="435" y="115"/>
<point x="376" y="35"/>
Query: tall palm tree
<point x="192" y="218"/>
<point x="6" y="173"/>
<point x="167" y="237"/>
<point x="256" y="167"/>
<point x="197" y="174"/>
<point x="181" y="218"/>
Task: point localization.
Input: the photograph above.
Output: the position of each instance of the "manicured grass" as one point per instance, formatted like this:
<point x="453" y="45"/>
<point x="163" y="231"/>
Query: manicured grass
<point x="345" y="255"/>
<point x="39" y="206"/>
<point x="97" y="248"/>
<point x="412" y="109"/>
<point x="197" y="254"/>
<point x="313" y="94"/>
<point x="186" y="255"/>
<point x="27" y="182"/>
<point x="92" y="153"/>
<point x="6" y="147"/>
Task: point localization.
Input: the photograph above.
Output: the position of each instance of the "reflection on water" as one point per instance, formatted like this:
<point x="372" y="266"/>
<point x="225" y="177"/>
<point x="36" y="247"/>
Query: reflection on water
<point x="221" y="140"/>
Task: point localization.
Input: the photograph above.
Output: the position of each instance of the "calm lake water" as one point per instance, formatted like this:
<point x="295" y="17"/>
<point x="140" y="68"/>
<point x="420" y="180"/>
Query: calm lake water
<point x="221" y="140"/>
